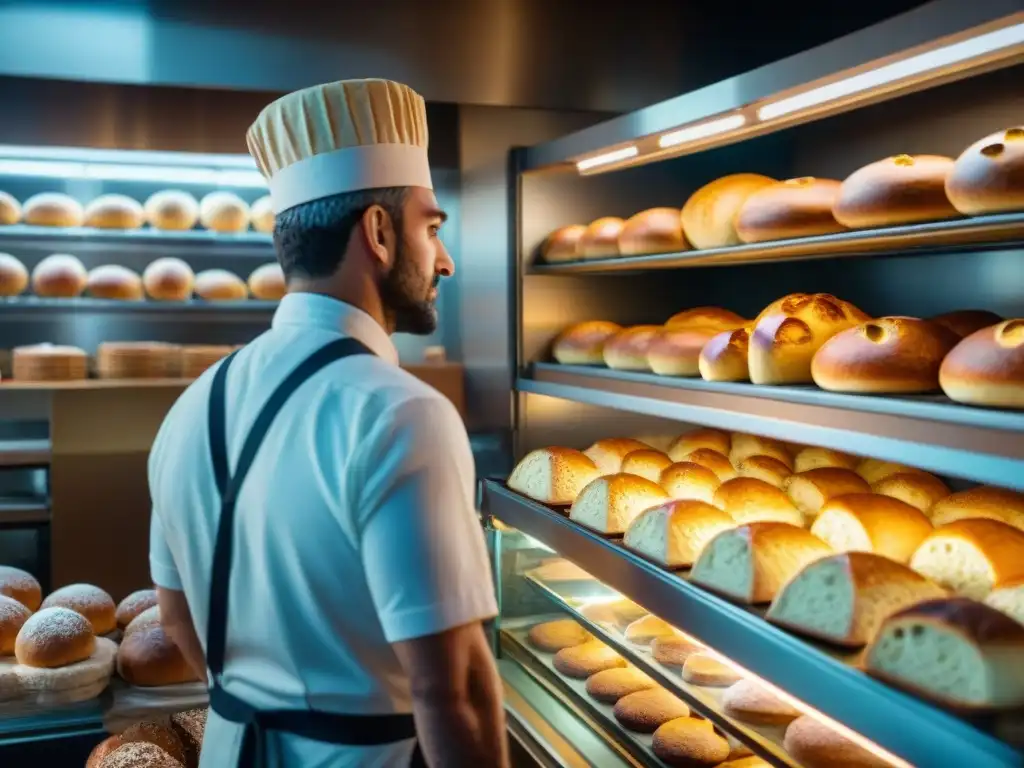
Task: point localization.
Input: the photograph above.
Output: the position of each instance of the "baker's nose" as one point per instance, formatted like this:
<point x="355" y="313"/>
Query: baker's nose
<point x="445" y="266"/>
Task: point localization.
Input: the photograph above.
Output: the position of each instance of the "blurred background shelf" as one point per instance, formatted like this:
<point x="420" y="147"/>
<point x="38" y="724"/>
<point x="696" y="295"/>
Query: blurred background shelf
<point x="33" y="306"/>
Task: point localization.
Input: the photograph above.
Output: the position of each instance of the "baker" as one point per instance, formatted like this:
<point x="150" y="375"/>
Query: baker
<point x="313" y="514"/>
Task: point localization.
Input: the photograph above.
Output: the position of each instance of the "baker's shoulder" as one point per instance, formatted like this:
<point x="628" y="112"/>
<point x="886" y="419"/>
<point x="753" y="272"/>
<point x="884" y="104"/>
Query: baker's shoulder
<point x="389" y="385"/>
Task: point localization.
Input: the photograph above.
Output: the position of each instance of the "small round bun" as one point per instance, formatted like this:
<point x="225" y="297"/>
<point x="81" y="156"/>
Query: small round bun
<point x="172" y="210"/>
<point x="813" y="457"/>
<point x="266" y="282"/>
<point x="59" y="276"/>
<point x="627" y="350"/>
<point x="767" y="469"/>
<point x="657" y="230"/>
<point x="10" y="209"/>
<point x="147" y="657"/>
<point x="133" y="605"/>
<point x="90" y="601"/>
<point x="690" y="742"/>
<point x="794" y="208"/>
<point x="744" y="445"/>
<point x="53" y="209"/>
<point x="987" y="367"/>
<point x="262" y="215"/>
<point x="224" y="212"/>
<point x="140" y="754"/>
<point x="750" y="701"/>
<point x="583" y="343"/>
<point x="563" y="244"/>
<point x="676" y="351"/>
<point x="220" y="285"/>
<point x="873" y="470"/>
<point x="988" y="177"/>
<point x="646" y="710"/>
<point x="918" y="489"/>
<point x="20" y="585"/>
<point x="13" y="616"/>
<point x="168" y="279"/>
<point x="601" y="238"/>
<point x="964" y="322"/>
<point x="687" y="481"/>
<point x="112" y="281"/>
<point x="582" y="661"/>
<point x="13" y="276"/>
<point x="713" y="460"/>
<point x="882" y="356"/>
<point x="149" y="617"/>
<point x="709" y="216"/>
<point x="708" y="318"/>
<point x="704" y="437"/>
<point x="148" y="732"/>
<point x="647" y="463"/>
<point x="894" y="191"/>
<point x="101" y="750"/>
<point x="747" y="500"/>
<point x="644" y="630"/>
<point x="610" y="685"/>
<point x="724" y="356"/>
<point x="814" y="744"/>
<point x="984" y="502"/>
<point x="54" y="637"/>
<point x="114" y="212"/>
<point x="553" y="636"/>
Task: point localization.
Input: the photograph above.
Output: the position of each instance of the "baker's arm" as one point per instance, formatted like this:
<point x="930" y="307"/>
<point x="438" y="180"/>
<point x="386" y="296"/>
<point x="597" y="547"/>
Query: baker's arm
<point x="176" y="620"/>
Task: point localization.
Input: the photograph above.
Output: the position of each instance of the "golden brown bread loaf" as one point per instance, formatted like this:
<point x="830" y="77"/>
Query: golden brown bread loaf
<point x="724" y="356"/>
<point x="709" y="216"/>
<point x="747" y="500"/>
<point x="601" y="238"/>
<point x="589" y="658"/>
<point x="789" y="331"/>
<point x="20" y="585"/>
<point x="52" y="209"/>
<point x="645" y="711"/>
<point x="13" y="616"/>
<point x="114" y="212"/>
<point x="983" y="501"/>
<point x="10" y="209"/>
<point x="710" y="318"/>
<point x="688" y="442"/>
<point x="714" y="461"/>
<point x="583" y="343"/>
<point x="987" y="367"/>
<point x="553" y="636"/>
<point x="813" y="457"/>
<point x="224" y="212"/>
<point x="918" y="489"/>
<point x="988" y="177"/>
<point x="54" y="637"/>
<point x="262" y="215"/>
<point x="148" y="658"/>
<point x="133" y="605"/>
<point x="689" y="742"/>
<point x="610" y="685"/>
<point x="172" y="210"/>
<point x="553" y="475"/>
<point x="112" y="281"/>
<point x="49" y="362"/>
<point x="646" y="463"/>
<point x="563" y="244"/>
<point x="688" y="481"/>
<point x="897" y="190"/>
<point x="676" y="351"/>
<point x="610" y="503"/>
<point x="220" y="285"/>
<point x="267" y="283"/>
<point x="674" y="534"/>
<point x="811" y="489"/>
<point x="60" y="275"/>
<point x="964" y="322"/>
<point x="971" y="557"/>
<point x="607" y="454"/>
<point x="627" y="350"/>
<point x="884" y="356"/>
<point x="767" y="469"/>
<point x="866" y="522"/>
<point x="745" y="445"/>
<point x="90" y="601"/>
<point x="794" y="208"/>
<point x="168" y="279"/>
<point x="814" y="744"/>
<point x="13" y="276"/>
<point x="657" y="230"/>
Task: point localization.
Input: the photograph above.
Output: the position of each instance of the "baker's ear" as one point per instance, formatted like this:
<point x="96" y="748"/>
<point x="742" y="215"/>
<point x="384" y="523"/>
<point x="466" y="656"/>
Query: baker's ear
<point x="378" y="233"/>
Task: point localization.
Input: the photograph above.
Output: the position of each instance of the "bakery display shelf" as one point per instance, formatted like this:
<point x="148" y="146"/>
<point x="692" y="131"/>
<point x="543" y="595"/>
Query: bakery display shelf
<point x="823" y="679"/>
<point x="17" y="511"/>
<point x="22" y="723"/>
<point x="258" y="243"/>
<point x="927" y="431"/>
<point x="33" y="306"/>
<point x="24" y="453"/>
<point x="14" y="384"/>
<point x="765" y="741"/>
<point x="1000" y="231"/>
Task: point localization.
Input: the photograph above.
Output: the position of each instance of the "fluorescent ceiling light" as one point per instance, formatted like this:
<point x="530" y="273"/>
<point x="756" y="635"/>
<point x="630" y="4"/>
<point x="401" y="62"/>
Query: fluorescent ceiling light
<point x="899" y="70"/>
<point x="162" y="174"/>
<point x="127" y="156"/>
<point x="701" y="131"/>
<point x="608" y="157"/>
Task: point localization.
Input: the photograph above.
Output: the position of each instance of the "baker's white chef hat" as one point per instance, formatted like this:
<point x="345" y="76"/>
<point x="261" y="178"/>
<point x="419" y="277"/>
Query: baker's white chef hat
<point x="341" y="137"/>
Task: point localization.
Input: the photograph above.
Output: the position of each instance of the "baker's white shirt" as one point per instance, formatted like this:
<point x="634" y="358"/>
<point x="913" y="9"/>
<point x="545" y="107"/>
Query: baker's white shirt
<point x="355" y="529"/>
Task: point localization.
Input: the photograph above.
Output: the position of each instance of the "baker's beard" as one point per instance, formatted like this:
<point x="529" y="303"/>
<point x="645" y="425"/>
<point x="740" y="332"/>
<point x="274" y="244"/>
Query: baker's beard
<point x="405" y="295"/>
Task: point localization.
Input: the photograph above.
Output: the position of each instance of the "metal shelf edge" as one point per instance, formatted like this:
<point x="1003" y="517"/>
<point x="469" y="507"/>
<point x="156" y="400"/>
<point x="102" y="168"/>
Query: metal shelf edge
<point x="144" y="237"/>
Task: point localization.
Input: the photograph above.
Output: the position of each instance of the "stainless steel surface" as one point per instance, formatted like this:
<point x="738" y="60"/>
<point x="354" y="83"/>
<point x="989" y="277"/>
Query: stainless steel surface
<point x="907" y="727"/>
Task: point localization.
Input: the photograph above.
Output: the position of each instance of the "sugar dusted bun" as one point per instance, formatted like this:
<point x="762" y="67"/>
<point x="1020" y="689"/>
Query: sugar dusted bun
<point x="883" y="356"/>
<point x="788" y="333"/>
<point x="750" y="701"/>
<point x="627" y="350"/>
<point x="865" y="522"/>
<point x="964" y="322"/>
<point x="262" y="215"/>
<point x="794" y="208"/>
<point x="971" y="557"/>
<point x="709" y="216"/>
<point x="811" y="489"/>
<point x="168" y="279"/>
<point x="897" y="190"/>
<point x="918" y="489"/>
<point x="609" y="504"/>
<point x="114" y="212"/>
<point x="813" y="457"/>
<point x="646" y="463"/>
<point x="688" y="481"/>
<point x="59" y="276"/>
<point x="147" y="657"/>
<point x="583" y="343"/>
<point x="10" y="209"/>
<point x="563" y="244"/>
<point x="607" y="454"/>
<point x="224" y="212"/>
<point x="20" y="585"/>
<point x="674" y="534"/>
<point x="53" y="209"/>
<point x="13" y="276"/>
<point x="13" y="616"/>
<point x="766" y="469"/>
<point x="988" y="177"/>
<point x="133" y="605"/>
<point x="656" y="230"/>
<point x="706" y="318"/>
<point x="54" y="637"/>
<point x="601" y="238"/>
<point x="553" y="475"/>
<point x="90" y="601"/>
<point x="747" y="500"/>
<point x="744" y="446"/>
<point x="267" y="283"/>
<point x="220" y="285"/>
<point x="987" y="367"/>
<point x="724" y="356"/>
<point x="148" y="618"/>
<point x="112" y="281"/>
<point x="814" y="744"/>
<point x="172" y="210"/>
<point x="688" y="442"/>
<point x="985" y="502"/>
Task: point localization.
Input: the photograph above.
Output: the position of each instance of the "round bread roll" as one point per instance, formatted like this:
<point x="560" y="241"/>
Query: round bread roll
<point x="918" y="489"/>
<point x="686" y="481"/>
<point x="627" y="350"/>
<point x="54" y="637"/>
<point x="724" y="356"/>
<point x="20" y="585"/>
<point x="657" y="230"/>
<point x="813" y="457"/>
<point x="897" y="190"/>
<point x="601" y="238"/>
<point x="706" y="318"/>
<point x="709" y="216"/>
<point x="814" y="744"/>
<point x="988" y="177"/>
<point x="676" y="351"/>
<point x="224" y="212"/>
<point x="747" y="500"/>
<point x="172" y="210"/>
<point x="13" y="276"/>
<point x="583" y="343"/>
<point x="971" y="557"/>
<point x="147" y="657"/>
<point x="168" y="279"/>
<point x="714" y="461"/>
<point x="112" y="281"/>
<point x="689" y="742"/>
<point x="705" y="669"/>
<point x="553" y="475"/>
<point x="647" y="710"/>
<point x="147" y="732"/>
<point x="889" y="355"/>
<point x="674" y="650"/>
<point x="646" y="463"/>
<point x="53" y="209"/>
<point x="609" y="504"/>
<point x="794" y="208"/>
<point x="137" y="602"/>
<point x="608" y="454"/>
<point x="220" y="285"/>
<point x="766" y="469"/>
<point x="866" y="522"/>
<point x="148" y="618"/>
<point x="645" y="629"/>
<point x="59" y="276"/>
<point x="10" y="209"/>
<point x="985" y="502"/>
<point x="811" y="489"/>
<point x="114" y="212"/>
<point x="964" y="322"/>
<point x="262" y="215"/>
<point x="610" y="685"/>
<point x="267" y="283"/>
<point x="582" y="661"/>
<point x="553" y="636"/>
<point x="987" y="367"/>
<point x="874" y="470"/>
<point x="139" y="754"/>
<point x="751" y="702"/>
<point x="688" y="442"/>
<point x="101" y="750"/>
<point x="90" y="601"/>
<point x="789" y="331"/>
<point x="13" y="616"/>
<point x="744" y="446"/>
<point x="562" y="244"/>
